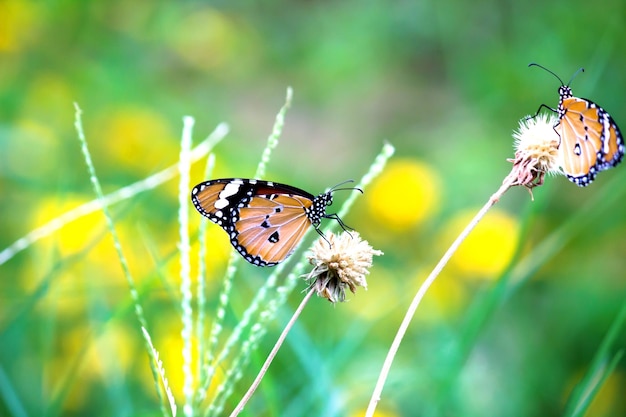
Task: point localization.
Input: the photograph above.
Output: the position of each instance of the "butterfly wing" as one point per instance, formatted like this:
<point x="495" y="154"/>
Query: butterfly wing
<point x="264" y="220"/>
<point x="271" y="226"/>
<point x="590" y="140"/>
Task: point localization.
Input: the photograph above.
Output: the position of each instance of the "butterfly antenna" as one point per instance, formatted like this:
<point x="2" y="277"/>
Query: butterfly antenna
<point x="581" y="69"/>
<point x="349" y="188"/>
<point x="334" y="188"/>
<point x="532" y="64"/>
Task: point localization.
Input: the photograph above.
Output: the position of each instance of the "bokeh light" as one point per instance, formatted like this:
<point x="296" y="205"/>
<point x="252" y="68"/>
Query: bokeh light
<point x="404" y="195"/>
<point x="488" y="249"/>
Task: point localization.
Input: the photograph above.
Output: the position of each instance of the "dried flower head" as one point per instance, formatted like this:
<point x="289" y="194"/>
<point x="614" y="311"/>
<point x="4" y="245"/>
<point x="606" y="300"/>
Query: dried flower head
<point x="339" y="262"/>
<point x="536" y="150"/>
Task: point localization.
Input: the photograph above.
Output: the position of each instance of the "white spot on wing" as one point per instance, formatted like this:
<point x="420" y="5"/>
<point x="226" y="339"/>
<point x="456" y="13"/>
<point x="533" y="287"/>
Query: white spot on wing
<point x="229" y="190"/>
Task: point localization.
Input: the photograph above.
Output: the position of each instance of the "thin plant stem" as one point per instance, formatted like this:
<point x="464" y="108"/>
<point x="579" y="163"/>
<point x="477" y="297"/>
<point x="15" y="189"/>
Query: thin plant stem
<point x="272" y="355"/>
<point x="213" y="360"/>
<point x="123" y="193"/>
<point x="272" y="140"/>
<point x="202" y="352"/>
<point x="393" y="350"/>
<point x="161" y="371"/>
<point x="95" y="182"/>
<point x="599" y="370"/>
<point x="185" y="264"/>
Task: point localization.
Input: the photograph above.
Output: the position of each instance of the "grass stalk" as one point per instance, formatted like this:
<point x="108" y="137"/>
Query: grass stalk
<point x="421" y="292"/>
<point x="239" y="408"/>
<point x="185" y="265"/>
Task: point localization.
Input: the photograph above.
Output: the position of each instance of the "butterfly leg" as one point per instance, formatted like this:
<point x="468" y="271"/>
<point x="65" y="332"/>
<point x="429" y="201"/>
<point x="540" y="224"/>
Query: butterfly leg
<point x="334" y="216"/>
<point x="319" y="232"/>
<point x="539" y="110"/>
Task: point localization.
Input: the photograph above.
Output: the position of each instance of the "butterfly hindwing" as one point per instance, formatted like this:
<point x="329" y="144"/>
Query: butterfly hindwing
<point x="264" y="220"/>
<point x="270" y="227"/>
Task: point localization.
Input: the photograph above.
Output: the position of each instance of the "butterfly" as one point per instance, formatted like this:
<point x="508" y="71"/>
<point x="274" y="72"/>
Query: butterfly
<point x="590" y="139"/>
<point x="265" y="220"/>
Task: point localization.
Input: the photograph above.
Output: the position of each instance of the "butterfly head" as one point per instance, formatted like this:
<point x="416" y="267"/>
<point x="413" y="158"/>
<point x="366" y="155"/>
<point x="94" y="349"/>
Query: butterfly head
<point x="326" y="199"/>
<point x="565" y="92"/>
<point x="328" y="195"/>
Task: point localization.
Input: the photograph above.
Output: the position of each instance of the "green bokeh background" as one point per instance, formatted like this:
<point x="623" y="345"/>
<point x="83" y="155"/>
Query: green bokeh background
<point x="444" y="81"/>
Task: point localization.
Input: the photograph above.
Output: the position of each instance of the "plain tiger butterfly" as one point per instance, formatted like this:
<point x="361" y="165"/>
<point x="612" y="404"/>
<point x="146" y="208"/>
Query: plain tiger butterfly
<point x="590" y="139"/>
<point x="265" y="220"/>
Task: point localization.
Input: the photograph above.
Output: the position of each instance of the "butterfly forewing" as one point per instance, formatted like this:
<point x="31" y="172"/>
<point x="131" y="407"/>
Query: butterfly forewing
<point x="204" y="197"/>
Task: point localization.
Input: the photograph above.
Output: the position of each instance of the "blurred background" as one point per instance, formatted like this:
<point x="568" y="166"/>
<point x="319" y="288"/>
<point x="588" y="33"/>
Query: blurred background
<point x="508" y="329"/>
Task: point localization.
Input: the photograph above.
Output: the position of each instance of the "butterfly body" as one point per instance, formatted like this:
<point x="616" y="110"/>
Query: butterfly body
<point x="590" y="139"/>
<point x="264" y="220"/>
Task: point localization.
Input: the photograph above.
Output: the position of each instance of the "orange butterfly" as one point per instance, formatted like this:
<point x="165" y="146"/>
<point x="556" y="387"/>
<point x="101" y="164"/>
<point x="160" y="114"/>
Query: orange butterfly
<point x="590" y="139"/>
<point x="265" y="220"/>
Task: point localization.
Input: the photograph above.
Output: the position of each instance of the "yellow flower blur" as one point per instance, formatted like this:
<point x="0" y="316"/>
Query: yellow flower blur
<point x="405" y="194"/>
<point x="170" y="346"/>
<point x="137" y="137"/>
<point x="19" y="24"/>
<point x="489" y="247"/>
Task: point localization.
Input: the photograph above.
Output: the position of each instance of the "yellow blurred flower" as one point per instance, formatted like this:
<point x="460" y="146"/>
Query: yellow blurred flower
<point x="404" y="195"/>
<point x="77" y="235"/>
<point x="87" y="239"/>
<point x="489" y="247"/>
<point x="218" y="249"/>
<point x="19" y="21"/>
<point x="218" y="252"/>
<point x="138" y="138"/>
<point x="170" y="347"/>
